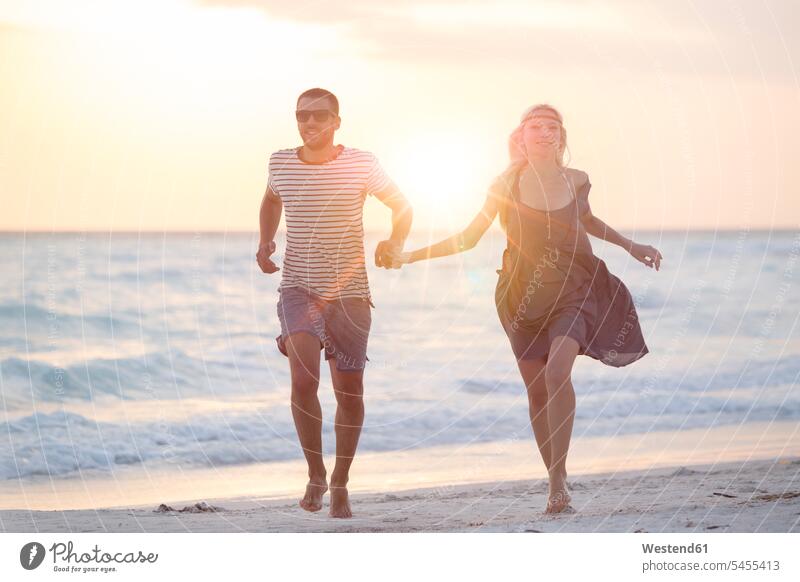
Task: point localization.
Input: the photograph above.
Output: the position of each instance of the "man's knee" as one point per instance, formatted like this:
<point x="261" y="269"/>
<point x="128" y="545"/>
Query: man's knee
<point x="350" y="392"/>
<point x="304" y="386"/>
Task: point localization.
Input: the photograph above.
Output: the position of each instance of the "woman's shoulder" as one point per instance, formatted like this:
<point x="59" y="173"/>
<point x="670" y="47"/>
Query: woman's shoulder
<point x="579" y="177"/>
<point x="502" y="183"/>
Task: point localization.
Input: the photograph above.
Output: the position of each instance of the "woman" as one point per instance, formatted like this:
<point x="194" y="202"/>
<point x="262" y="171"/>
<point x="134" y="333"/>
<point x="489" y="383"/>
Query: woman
<point x="555" y="299"/>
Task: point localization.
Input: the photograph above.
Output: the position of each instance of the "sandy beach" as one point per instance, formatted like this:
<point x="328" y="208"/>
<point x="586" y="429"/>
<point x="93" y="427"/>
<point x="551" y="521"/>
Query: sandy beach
<point x="729" y="479"/>
<point x="755" y="496"/>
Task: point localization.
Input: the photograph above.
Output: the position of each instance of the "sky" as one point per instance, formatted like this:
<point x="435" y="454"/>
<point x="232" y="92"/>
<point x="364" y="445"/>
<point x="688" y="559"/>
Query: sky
<point x="155" y="115"/>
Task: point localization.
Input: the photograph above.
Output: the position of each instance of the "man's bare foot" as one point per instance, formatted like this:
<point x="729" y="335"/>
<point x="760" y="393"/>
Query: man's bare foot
<point x="340" y="502"/>
<point x="312" y="500"/>
<point x="558" y="497"/>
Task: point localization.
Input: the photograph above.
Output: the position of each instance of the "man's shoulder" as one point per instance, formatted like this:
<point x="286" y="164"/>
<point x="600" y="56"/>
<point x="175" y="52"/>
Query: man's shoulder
<point x="282" y="159"/>
<point x="359" y="154"/>
<point x="283" y="154"/>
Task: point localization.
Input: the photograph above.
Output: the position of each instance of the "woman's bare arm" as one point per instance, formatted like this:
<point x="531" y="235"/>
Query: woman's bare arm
<point x="596" y="227"/>
<point x="592" y="224"/>
<point x="462" y="241"/>
<point x="645" y="254"/>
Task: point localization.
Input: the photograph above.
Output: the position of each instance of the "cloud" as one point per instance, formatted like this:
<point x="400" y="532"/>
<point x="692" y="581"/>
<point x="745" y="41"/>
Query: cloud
<point x="711" y="37"/>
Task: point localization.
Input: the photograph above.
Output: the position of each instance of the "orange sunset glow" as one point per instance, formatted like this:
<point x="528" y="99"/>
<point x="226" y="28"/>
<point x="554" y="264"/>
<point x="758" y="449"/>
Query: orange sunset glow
<point x="161" y="115"/>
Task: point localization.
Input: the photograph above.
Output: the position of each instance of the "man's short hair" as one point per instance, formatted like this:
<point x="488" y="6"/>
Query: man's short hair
<point x="317" y="93"/>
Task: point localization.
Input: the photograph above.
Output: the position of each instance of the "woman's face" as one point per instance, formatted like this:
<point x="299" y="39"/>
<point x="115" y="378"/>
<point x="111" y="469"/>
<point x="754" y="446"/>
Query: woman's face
<point x="542" y="135"/>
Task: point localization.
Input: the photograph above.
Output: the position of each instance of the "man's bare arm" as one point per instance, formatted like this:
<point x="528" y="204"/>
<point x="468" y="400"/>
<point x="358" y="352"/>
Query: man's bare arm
<point x="269" y="217"/>
<point x="402" y="217"/>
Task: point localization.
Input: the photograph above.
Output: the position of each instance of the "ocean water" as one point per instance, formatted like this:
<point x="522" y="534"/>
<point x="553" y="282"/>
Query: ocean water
<point x="159" y="350"/>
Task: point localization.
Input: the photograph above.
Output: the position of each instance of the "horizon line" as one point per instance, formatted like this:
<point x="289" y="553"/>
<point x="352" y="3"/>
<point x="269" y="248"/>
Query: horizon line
<point x="369" y="231"/>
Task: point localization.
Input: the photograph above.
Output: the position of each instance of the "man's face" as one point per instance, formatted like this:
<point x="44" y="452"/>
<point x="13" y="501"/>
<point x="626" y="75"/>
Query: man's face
<point x="316" y="133"/>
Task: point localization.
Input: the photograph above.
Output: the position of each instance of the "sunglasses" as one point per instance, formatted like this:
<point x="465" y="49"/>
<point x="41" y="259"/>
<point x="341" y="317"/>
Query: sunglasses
<point x="303" y="115"/>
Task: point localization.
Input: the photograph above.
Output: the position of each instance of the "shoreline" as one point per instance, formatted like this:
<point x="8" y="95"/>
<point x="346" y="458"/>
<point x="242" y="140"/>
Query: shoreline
<point x="614" y="479"/>
<point x="374" y="472"/>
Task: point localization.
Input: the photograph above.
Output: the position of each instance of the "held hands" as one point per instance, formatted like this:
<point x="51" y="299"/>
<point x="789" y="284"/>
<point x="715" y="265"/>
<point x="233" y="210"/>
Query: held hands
<point x="265" y="250"/>
<point x="647" y="255"/>
<point x="389" y="256"/>
<point x="400" y="259"/>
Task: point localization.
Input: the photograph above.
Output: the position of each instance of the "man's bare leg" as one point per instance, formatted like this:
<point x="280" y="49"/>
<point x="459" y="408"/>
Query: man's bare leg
<point x="349" y="389"/>
<point x="304" y="353"/>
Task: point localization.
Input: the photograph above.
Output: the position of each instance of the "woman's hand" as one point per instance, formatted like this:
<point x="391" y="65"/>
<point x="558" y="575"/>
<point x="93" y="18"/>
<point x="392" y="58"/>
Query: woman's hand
<point x="401" y="259"/>
<point x="394" y="258"/>
<point x="647" y="255"/>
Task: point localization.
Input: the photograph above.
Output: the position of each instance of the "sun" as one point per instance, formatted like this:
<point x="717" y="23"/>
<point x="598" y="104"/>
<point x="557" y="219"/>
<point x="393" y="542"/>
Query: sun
<point x="444" y="174"/>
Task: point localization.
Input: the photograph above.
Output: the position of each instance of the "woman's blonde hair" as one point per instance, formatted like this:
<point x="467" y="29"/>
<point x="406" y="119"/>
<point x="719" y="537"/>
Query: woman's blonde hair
<point x="519" y="157"/>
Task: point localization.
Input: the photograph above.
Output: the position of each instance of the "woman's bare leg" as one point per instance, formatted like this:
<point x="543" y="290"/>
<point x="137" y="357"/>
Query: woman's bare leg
<point x="533" y="374"/>
<point x="560" y="416"/>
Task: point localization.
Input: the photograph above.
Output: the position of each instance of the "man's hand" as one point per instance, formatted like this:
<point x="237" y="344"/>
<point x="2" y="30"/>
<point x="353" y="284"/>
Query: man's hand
<point x="265" y="250"/>
<point x="387" y="254"/>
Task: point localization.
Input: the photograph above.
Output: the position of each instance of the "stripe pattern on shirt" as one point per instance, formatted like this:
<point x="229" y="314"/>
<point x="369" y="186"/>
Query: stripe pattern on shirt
<point x="323" y="205"/>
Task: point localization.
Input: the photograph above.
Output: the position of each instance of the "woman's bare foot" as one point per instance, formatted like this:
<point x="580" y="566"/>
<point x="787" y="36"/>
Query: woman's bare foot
<point x="312" y="500"/>
<point x="340" y="502"/>
<point x="558" y="497"/>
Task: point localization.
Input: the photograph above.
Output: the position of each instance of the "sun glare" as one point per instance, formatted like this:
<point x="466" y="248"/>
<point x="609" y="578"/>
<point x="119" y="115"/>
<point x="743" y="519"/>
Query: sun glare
<point x="443" y="174"/>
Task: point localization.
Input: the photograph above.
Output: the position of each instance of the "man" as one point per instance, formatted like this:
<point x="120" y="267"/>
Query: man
<point x="324" y="293"/>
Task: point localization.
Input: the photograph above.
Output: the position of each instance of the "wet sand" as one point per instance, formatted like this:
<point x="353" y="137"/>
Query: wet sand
<point x="728" y="479"/>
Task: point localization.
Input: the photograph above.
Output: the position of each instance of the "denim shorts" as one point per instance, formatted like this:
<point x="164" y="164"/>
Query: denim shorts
<point x="342" y="325"/>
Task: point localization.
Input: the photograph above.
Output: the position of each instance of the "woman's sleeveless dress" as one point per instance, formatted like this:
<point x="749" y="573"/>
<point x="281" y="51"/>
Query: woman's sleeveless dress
<point x="552" y="284"/>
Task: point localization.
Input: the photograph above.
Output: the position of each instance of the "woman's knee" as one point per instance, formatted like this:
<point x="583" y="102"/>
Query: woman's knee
<point x="533" y="374"/>
<point x="558" y="371"/>
<point x="537" y="396"/>
<point x="557" y="375"/>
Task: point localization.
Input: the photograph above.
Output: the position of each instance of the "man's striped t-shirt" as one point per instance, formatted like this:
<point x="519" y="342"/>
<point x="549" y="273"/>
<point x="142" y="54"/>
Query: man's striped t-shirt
<point x="323" y="204"/>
